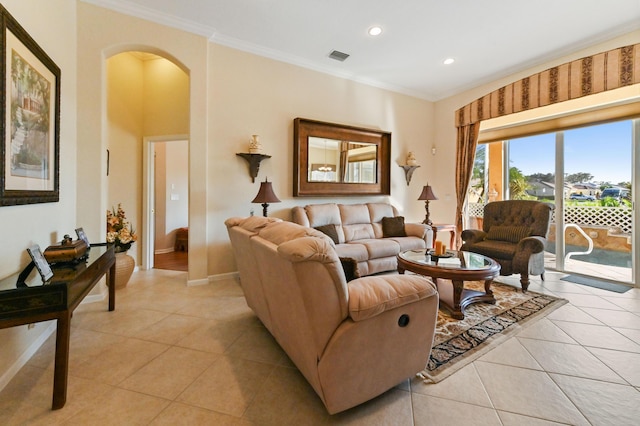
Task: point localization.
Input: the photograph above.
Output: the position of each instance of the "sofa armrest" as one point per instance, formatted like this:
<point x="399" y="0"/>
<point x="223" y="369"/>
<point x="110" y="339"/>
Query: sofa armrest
<point x="420" y="230"/>
<point x="471" y="236"/>
<point x="373" y="295"/>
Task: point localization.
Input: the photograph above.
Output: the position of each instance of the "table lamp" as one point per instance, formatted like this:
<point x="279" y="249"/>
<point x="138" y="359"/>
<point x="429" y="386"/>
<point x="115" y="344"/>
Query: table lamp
<point x="265" y="196"/>
<point x="427" y="195"/>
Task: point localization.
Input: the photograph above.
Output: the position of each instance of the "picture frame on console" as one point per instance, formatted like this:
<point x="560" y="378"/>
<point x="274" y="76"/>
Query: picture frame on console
<point x="30" y="124"/>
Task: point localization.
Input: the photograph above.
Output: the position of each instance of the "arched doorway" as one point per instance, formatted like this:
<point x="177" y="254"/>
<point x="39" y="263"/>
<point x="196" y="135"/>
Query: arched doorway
<point x="147" y="102"/>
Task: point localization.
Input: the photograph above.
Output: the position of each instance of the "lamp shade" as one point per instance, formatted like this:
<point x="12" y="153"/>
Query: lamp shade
<point x="427" y="194"/>
<point x="266" y="194"/>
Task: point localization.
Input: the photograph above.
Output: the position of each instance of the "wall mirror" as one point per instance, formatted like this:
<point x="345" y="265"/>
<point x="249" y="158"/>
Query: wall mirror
<point x="332" y="159"/>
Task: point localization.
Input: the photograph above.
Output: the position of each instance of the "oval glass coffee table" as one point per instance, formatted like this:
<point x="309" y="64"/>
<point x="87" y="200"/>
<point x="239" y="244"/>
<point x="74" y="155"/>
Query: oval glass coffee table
<point x="459" y="267"/>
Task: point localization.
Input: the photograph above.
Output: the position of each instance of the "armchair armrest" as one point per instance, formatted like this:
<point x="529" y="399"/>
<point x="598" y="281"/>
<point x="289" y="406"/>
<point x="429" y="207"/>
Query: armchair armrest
<point x="373" y="295"/>
<point x="472" y="236"/>
<point x="531" y="245"/>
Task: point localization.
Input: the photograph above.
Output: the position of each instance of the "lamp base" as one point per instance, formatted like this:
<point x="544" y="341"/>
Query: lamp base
<point x="264" y="209"/>
<point x="426" y="220"/>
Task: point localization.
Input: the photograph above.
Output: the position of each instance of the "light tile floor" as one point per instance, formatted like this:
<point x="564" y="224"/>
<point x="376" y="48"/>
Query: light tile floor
<point x="172" y="354"/>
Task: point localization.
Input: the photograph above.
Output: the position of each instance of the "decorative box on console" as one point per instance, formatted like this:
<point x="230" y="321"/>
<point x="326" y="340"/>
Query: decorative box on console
<point x="67" y="251"/>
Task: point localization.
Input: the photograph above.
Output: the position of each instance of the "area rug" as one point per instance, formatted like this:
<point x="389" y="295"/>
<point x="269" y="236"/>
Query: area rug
<point x="459" y="342"/>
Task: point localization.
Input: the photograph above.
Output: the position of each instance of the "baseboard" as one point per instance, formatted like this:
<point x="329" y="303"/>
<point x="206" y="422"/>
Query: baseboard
<point x="223" y="277"/>
<point x="26" y="355"/>
<point x="201" y="281"/>
<point x="213" y="278"/>
<point x="164" y="251"/>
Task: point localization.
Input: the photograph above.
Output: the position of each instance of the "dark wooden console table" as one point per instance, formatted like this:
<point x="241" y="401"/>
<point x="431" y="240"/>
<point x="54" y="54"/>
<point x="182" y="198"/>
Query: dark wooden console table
<point x="56" y="300"/>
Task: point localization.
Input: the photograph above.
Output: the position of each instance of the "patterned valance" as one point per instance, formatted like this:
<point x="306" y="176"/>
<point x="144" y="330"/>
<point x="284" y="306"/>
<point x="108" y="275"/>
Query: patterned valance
<point x="592" y="74"/>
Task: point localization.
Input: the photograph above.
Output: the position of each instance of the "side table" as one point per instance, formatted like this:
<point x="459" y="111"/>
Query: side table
<point x="437" y="227"/>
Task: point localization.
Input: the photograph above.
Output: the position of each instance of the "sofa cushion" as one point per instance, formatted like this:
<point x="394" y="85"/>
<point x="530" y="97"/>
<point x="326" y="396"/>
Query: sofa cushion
<point x="379" y="210"/>
<point x="409" y="243"/>
<point x="354" y="250"/>
<point x="330" y="231"/>
<point x="513" y="234"/>
<point x="380" y="247"/>
<point x="393" y="227"/>
<point x="371" y="296"/>
<point x="323" y="214"/>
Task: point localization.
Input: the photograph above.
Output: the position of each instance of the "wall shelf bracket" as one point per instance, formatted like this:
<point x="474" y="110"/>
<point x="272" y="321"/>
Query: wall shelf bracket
<point x="254" y="162"/>
<point x="408" y="172"/>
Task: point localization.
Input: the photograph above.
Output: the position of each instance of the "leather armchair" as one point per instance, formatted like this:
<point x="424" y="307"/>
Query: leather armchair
<point x="513" y="233"/>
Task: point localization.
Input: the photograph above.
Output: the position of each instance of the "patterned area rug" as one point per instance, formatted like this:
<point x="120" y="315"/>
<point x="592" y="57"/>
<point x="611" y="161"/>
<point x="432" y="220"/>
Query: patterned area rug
<point x="459" y="342"/>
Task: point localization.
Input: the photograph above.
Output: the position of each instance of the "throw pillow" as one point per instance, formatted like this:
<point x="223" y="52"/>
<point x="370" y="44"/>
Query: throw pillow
<point x="393" y="227"/>
<point x="350" y="268"/>
<point x="513" y="234"/>
<point x="330" y="231"/>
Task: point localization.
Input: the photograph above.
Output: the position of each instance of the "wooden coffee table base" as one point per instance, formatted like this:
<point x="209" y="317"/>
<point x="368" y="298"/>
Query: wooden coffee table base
<point x="450" y="279"/>
<point x="461" y="297"/>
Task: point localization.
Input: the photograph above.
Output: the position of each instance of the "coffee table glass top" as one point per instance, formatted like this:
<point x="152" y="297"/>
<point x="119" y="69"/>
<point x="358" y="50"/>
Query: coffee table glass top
<point x="462" y="260"/>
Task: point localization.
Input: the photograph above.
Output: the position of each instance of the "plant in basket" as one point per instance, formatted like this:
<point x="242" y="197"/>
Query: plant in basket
<point x="119" y="230"/>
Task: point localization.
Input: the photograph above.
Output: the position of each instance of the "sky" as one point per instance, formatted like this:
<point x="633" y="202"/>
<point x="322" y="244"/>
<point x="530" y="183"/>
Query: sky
<point x="603" y="150"/>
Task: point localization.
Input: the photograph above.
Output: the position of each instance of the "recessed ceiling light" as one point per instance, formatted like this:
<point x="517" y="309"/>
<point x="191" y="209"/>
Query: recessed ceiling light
<point x="374" y="31"/>
<point x="449" y="61"/>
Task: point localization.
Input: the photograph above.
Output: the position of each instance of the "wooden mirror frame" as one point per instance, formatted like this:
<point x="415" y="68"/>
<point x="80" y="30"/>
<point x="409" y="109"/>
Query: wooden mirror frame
<point x="304" y="128"/>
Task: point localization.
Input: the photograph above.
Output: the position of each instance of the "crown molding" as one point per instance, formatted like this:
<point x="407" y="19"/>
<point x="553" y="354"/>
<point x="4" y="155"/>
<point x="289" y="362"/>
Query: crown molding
<point x="128" y="8"/>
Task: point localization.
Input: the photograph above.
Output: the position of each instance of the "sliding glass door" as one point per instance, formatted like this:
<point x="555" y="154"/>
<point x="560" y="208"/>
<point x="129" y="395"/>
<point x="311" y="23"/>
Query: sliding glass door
<point x="588" y="175"/>
<point x="598" y="238"/>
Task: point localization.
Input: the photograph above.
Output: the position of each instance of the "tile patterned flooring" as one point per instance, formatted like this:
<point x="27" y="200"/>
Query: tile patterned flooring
<point x="172" y="354"/>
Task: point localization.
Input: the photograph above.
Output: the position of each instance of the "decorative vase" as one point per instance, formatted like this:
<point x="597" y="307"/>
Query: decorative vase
<point x="124" y="269"/>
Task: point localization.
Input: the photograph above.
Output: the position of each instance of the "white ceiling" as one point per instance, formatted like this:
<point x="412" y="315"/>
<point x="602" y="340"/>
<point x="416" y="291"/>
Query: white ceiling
<point x="489" y="39"/>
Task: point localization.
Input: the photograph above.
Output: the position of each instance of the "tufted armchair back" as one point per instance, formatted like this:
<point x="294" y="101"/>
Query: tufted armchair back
<point x="513" y="233"/>
<point x="518" y="213"/>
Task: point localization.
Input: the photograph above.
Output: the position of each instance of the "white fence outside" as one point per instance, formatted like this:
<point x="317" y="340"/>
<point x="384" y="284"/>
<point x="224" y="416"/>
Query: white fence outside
<point x="619" y="218"/>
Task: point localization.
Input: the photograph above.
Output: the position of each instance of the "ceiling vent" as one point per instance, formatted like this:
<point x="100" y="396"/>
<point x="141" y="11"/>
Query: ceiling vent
<point x="338" y="56"/>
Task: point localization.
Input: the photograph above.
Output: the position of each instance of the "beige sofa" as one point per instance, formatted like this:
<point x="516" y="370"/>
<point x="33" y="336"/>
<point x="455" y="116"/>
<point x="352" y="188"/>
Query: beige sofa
<point x="351" y="341"/>
<point x="360" y="233"/>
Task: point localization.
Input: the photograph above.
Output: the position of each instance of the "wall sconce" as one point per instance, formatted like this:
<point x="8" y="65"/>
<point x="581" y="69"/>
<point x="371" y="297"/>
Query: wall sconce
<point x="433" y="150"/>
<point x="427" y="195"/>
<point x="410" y="167"/>
<point x="265" y="196"/>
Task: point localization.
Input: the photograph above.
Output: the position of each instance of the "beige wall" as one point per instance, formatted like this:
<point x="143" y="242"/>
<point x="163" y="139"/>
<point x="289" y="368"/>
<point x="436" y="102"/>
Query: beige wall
<point x="105" y="33"/>
<point x="125" y="129"/>
<point x="145" y="98"/>
<point x="53" y="28"/>
<point x="254" y="95"/>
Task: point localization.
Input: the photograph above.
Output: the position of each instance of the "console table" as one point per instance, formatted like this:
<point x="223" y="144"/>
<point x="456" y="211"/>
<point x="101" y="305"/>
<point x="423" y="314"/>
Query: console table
<point x="56" y="300"/>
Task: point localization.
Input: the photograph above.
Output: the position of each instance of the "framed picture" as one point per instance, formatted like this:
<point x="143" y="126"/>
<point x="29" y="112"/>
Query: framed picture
<point x="29" y="119"/>
<point x="41" y="263"/>
<point x="83" y="236"/>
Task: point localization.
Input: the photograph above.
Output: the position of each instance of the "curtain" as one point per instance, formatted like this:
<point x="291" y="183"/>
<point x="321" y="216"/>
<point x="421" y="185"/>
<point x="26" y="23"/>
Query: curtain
<point x="465" y="155"/>
<point x="592" y="74"/>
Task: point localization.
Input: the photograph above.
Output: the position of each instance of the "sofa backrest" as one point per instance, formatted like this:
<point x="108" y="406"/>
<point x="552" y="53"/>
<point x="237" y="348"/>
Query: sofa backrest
<point x="353" y="221"/>
<point x="303" y="285"/>
<point x="535" y="215"/>
<point x="240" y="232"/>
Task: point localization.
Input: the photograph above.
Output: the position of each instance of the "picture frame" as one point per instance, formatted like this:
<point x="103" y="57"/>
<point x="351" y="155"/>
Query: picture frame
<point x="29" y="118"/>
<point x="43" y="267"/>
<point x="83" y="236"/>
